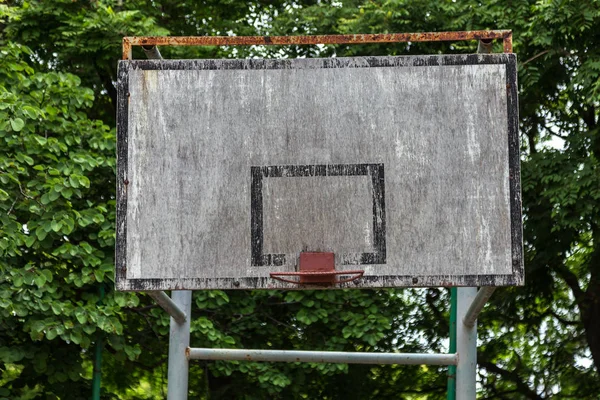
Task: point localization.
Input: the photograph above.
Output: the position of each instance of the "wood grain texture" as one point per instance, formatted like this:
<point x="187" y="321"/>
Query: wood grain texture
<point x="406" y="166"/>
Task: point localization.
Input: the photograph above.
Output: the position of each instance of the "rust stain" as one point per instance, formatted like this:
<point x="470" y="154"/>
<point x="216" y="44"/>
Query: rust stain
<point x="129" y="41"/>
<point x="507" y="42"/>
<point x="126" y="48"/>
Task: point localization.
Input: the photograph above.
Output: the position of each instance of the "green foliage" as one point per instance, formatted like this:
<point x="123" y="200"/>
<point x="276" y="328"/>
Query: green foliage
<point x="57" y="232"/>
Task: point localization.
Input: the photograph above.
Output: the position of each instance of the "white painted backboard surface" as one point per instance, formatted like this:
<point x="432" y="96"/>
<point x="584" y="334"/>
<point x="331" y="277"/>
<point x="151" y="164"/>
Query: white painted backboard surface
<point x="406" y="167"/>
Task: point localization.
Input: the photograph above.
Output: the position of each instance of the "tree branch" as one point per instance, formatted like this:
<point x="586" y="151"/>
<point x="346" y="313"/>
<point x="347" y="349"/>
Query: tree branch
<point x="571" y="280"/>
<point x="12" y="206"/>
<point x="497" y="393"/>
<point x="562" y="320"/>
<point x="558" y="135"/>
<point x="512" y="376"/>
<point x="563" y="52"/>
<point x="280" y="323"/>
<point x="534" y="57"/>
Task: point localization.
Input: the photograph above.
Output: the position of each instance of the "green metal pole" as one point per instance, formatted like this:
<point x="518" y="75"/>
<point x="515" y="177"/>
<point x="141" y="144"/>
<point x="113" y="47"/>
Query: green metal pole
<point x="97" y="374"/>
<point x="451" y="393"/>
<point x="97" y="369"/>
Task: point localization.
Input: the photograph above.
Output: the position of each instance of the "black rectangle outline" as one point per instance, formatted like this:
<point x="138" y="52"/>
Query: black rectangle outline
<point x="258" y="174"/>
<point x="517" y="277"/>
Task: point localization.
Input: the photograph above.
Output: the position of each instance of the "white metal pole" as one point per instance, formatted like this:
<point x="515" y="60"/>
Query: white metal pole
<point x="168" y="305"/>
<point x="483" y="295"/>
<point x="466" y="347"/>
<point x="179" y="341"/>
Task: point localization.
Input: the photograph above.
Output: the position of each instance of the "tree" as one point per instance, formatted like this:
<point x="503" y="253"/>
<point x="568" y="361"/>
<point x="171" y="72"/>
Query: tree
<point x="57" y="229"/>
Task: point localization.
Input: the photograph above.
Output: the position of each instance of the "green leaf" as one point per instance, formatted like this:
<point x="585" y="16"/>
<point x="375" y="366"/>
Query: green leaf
<point x="18" y="280"/>
<point x="84" y="181"/>
<point x="99" y="275"/>
<point x="57" y="308"/>
<point x="67" y="193"/>
<point x="75" y="336"/>
<point x="81" y="316"/>
<point x="28" y="159"/>
<point x="17" y="124"/>
<point x="47" y="274"/>
<point x="40" y="280"/>
<point x="56" y="225"/>
<point x="120" y="299"/>
<point x="30" y="111"/>
<point x="89" y="329"/>
<point x="53" y="195"/>
<point x="74" y="181"/>
<point x="86" y="246"/>
<point x="45" y="199"/>
<point x="51" y="110"/>
<point x="51" y="334"/>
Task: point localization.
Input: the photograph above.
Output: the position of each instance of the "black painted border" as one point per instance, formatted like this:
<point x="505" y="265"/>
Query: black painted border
<point x="514" y="170"/>
<point x="509" y="60"/>
<point x="121" y="281"/>
<point x="258" y="174"/>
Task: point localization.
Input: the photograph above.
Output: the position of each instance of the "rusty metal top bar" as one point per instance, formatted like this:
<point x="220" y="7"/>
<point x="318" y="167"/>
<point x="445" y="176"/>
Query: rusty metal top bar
<point x="129" y="41"/>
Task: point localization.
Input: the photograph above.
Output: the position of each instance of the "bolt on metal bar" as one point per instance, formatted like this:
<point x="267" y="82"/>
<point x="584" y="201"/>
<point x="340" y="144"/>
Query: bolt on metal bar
<point x="129" y="41"/>
<point x="320" y="356"/>
<point x="483" y="295"/>
<point x="169" y="306"/>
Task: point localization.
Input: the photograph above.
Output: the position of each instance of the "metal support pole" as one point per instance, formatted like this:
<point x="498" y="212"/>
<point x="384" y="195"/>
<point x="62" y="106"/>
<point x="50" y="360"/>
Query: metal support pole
<point x="484" y="46"/>
<point x="169" y="306"/>
<point x="97" y="369"/>
<point x="152" y="52"/>
<point x="320" y="356"/>
<point x="466" y="346"/>
<point x="483" y="295"/>
<point x="179" y="341"/>
<point x="451" y="391"/>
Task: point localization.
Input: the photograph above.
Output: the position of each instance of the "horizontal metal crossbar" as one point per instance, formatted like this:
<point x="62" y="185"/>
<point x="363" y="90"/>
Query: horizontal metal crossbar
<point x="150" y="41"/>
<point x="320" y="356"/>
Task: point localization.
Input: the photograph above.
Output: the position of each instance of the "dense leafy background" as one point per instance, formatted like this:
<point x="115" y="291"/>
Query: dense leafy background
<point x="57" y="165"/>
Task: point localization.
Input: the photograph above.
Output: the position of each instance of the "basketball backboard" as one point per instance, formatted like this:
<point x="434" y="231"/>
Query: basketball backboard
<point x="406" y="168"/>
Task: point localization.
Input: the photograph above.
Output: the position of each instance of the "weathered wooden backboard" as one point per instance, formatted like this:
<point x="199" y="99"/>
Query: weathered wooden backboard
<point x="404" y="167"/>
